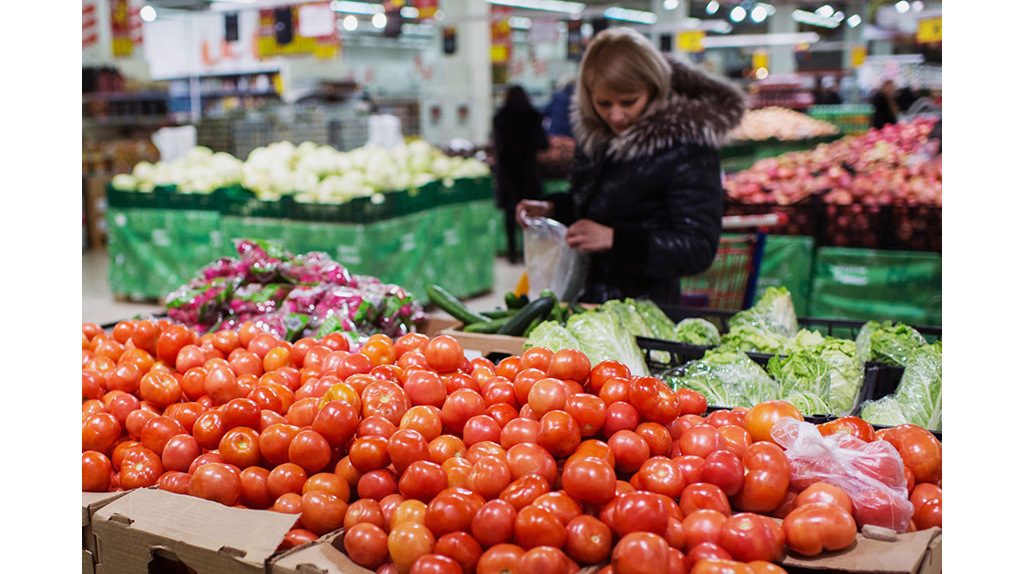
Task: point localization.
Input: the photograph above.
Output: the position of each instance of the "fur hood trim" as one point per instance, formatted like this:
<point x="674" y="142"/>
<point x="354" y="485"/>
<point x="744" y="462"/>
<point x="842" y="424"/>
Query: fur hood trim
<point x="700" y="110"/>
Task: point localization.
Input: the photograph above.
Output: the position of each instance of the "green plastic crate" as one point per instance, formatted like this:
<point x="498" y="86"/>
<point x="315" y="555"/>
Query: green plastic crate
<point x="416" y="199"/>
<point x="241" y="202"/>
<point x="130" y="199"/>
<point x="377" y="207"/>
<point x="478" y="188"/>
<point x="168" y="197"/>
<point x="451" y="192"/>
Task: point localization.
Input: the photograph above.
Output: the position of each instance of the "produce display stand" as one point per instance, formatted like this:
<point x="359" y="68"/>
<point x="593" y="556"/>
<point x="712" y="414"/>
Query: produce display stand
<point x="445" y="233"/>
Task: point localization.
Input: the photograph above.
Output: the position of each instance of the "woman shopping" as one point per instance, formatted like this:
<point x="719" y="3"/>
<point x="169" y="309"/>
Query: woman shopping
<point x="646" y="196"/>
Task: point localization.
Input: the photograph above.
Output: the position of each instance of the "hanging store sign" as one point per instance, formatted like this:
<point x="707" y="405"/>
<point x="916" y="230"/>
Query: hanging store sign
<point x="692" y="41"/>
<point x="90" y="29"/>
<point x="279" y="35"/>
<point x="501" y="34"/>
<point x="929" y="31"/>
<point x="120" y="28"/>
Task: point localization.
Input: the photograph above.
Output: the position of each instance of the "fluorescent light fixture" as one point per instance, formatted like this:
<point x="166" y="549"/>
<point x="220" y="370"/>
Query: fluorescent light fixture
<point x="756" y="40"/>
<point x="838" y="16"/>
<point x="917" y="5"/>
<point x="147" y="13"/>
<point x="825" y="11"/>
<point x="758" y="13"/>
<point x="738" y="14"/>
<point x="410" y="12"/>
<point x="769" y="7"/>
<point x="712" y="7"/>
<point x="549" y="5"/>
<point x="350" y="23"/>
<point x="903" y="6"/>
<point x="356" y="7"/>
<point x="587" y="30"/>
<point x="625" y="14"/>
<point x="670" y="4"/>
<point x="718" y="26"/>
<point x="228" y="5"/>
<point x="379" y="20"/>
<point x="520" y="23"/>
<point x="853" y="21"/>
<point x="804" y="17"/>
<point x="761" y="73"/>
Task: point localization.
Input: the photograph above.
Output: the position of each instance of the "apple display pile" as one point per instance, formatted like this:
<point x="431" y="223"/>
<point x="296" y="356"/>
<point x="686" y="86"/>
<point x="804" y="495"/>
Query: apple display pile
<point x="891" y="166"/>
<point x="432" y="462"/>
<point x="780" y="123"/>
<point x="311" y="173"/>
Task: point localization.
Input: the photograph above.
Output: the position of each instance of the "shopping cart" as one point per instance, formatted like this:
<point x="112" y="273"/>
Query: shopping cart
<point x="731" y="281"/>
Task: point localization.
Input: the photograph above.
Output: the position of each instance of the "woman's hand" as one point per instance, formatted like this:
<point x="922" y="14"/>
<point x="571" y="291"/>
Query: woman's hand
<point x="533" y="208"/>
<point x="587" y="235"/>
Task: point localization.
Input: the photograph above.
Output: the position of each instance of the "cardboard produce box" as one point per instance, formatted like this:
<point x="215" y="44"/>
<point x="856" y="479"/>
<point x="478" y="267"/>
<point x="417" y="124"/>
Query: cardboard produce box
<point x="910" y="553"/>
<point x="325" y="555"/>
<point x="433" y="326"/>
<point x="91" y="502"/>
<point x="486" y="343"/>
<point x="153" y="528"/>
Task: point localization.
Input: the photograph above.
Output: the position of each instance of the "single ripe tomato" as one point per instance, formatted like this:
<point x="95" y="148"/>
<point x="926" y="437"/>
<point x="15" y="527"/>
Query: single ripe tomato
<point x="444" y="354"/>
<point x="766" y="481"/>
<point x="322" y="512"/>
<point x="366" y="545"/>
<point x="569" y="364"/>
<point x="700" y="440"/>
<point x="661" y="475"/>
<point x="853" y="426"/>
<point x="654" y="400"/>
<point x="96" y="472"/>
<point x="588" y="540"/>
<point x="929" y="514"/>
<point x="815" y="527"/>
<point x="537" y="526"/>
<point x="501" y="558"/>
<point x="407" y="542"/>
<point x="494" y="523"/>
<point x="748" y="537"/>
<point x="920" y="450"/>
<point x="641" y="553"/>
<point x="762" y="417"/>
<point x="589" y="479"/>
<point x="218" y="482"/>
<point x="702" y="526"/>
<point x="460" y="547"/>
<point x="630" y="450"/>
<point x="827" y="493"/>
<point x="703" y="496"/>
<point x="724" y="470"/>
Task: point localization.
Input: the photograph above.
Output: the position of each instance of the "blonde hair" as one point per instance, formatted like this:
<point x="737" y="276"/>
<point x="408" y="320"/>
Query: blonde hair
<point x="625" y="62"/>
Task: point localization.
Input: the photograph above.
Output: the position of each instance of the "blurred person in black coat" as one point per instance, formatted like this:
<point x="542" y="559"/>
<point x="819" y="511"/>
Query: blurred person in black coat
<point x="518" y="136"/>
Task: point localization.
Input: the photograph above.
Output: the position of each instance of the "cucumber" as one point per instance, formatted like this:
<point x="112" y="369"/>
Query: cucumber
<point x="538" y="308"/>
<point x="514" y="302"/>
<point x="498" y="313"/>
<point x="491" y="326"/>
<point x="446" y="301"/>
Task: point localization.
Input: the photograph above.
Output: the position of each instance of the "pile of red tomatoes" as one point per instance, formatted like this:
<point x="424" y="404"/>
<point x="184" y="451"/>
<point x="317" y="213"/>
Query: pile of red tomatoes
<point x="433" y="463"/>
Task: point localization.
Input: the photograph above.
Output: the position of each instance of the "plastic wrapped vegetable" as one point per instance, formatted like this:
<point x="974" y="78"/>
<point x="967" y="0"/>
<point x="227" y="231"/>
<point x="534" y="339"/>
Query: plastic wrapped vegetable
<point x="749" y="338"/>
<point x="846" y="373"/>
<point x="696" y="331"/>
<point x="773" y="313"/>
<point x="920" y="390"/>
<point x="808" y="403"/>
<point x="628" y="313"/>
<point x="726" y="378"/>
<point x="804" y="339"/>
<point x="803" y="371"/>
<point x="198" y="303"/>
<point x="888" y="343"/>
<point x="551" y="335"/>
<point x="884" y="411"/>
<point x="659" y="323"/>
<point x="871" y="473"/>
<point x="603" y="337"/>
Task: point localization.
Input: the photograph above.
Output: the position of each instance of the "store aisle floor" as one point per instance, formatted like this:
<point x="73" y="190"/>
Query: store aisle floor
<point x="99" y="306"/>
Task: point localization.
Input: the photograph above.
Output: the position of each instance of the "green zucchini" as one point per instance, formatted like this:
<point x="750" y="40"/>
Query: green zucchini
<point x="498" y="313"/>
<point x="538" y="308"/>
<point x="447" y="302"/>
<point x="514" y="302"/>
<point x="491" y="326"/>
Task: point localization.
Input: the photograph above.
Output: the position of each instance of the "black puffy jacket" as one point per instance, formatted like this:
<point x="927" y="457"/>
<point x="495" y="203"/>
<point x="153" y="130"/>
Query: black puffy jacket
<point x="658" y="185"/>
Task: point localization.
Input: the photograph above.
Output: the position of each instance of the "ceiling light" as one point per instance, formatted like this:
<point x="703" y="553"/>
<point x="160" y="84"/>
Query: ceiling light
<point x="350" y="23"/>
<point x="838" y="16"/>
<point x="147" y="13"/>
<point x="520" y="23"/>
<point x="813" y="19"/>
<point x="356" y="7"/>
<point x="625" y="14"/>
<point x="755" y="40"/>
<point x="825" y="11"/>
<point x="712" y="7"/>
<point x="670" y="4"/>
<point x="410" y="12"/>
<point x="549" y="5"/>
<point x="758" y="13"/>
<point x="903" y="6"/>
<point x="853" y="21"/>
<point x="917" y="5"/>
<point x="379" y="20"/>
<point x="738" y="14"/>
<point x="761" y="73"/>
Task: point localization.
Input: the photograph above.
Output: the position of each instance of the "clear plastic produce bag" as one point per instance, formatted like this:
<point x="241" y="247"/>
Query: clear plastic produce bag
<point x="550" y="262"/>
<point x="870" y="472"/>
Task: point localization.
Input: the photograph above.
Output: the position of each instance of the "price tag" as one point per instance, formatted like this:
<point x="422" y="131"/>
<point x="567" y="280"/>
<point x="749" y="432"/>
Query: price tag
<point x="858" y="56"/>
<point x="929" y="30"/>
